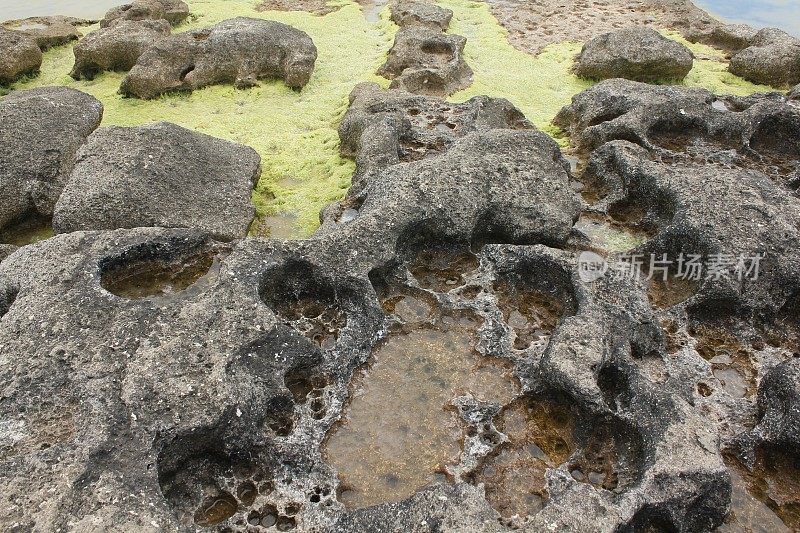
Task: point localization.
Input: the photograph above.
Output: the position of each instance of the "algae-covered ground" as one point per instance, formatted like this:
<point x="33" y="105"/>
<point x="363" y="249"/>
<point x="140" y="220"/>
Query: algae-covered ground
<point x="295" y="132"/>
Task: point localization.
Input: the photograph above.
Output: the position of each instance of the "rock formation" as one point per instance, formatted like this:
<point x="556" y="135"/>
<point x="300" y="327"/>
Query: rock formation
<point x="116" y="47"/>
<point x="240" y="51"/>
<point x="42" y="131"/>
<point x="639" y="54"/>
<point x="19" y="56"/>
<point x="159" y="175"/>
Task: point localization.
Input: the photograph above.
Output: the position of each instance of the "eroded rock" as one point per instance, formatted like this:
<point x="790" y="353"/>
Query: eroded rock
<point x="159" y="175"/>
<point x="426" y="61"/>
<point x="173" y="11"/>
<point x="49" y="31"/>
<point x="239" y="51"/>
<point x="21" y="56"/>
<point x="116" y="47"/>
<point x="412" y="13"/>
<point x="383" y="128"/>
<point x="772" y="58"/>
<point x="640" y="54"/>
<point x="42" y="131"/>
<point x="794" y="94"/>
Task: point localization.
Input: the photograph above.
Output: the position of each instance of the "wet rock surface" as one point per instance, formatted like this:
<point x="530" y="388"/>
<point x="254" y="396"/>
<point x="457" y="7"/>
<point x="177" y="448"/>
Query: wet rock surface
<point x="433" y="358"/>
<point x="21" y="56"/>
<point x="159" y="175"/>
<point x="49" y="31"/>
<point x="42" y="131"/>
<point x="771" y="58"/>
<point x="116" y="47"/>
<point x="239" y="51"/>
<point x="236" y="378"/>
<point x="173" y="11"/>
<point x="639" y="54"/>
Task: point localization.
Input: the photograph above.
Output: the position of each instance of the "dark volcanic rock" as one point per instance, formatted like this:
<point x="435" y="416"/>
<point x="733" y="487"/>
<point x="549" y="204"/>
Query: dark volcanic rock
<point x="762" y="128"/>
<point x="640" y="54"/>
<point x="116" y="47"/>
<point x="159" y="175"/>
<point x="49" y="31"/>
<point x="413" y="13"/>
<point x="424" y="60"/>
<point x="204" y="378"/>
<point x="42" y="131"/>
<point x="173" y="11"/>
<point x="779" y="406"/>
<point x="240" y="51"/>
<point x="773" y="58"/>
<point x="383" y="128"/>
<point x="19" y="56"/>
<point x="729" y="37"/>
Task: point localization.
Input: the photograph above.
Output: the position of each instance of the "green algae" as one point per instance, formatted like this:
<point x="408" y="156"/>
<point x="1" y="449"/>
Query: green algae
<point x="296" y="132"/>
<point x="541" y="85"/>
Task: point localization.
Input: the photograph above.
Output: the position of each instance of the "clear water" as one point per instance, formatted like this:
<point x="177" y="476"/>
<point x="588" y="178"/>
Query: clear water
<point x="784" y="14"/>
<point x="89" y="9"/>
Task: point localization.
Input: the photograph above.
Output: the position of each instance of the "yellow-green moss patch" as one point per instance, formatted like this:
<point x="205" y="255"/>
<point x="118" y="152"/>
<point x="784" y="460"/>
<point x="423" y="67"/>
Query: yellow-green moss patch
<point x="295" y="132"/>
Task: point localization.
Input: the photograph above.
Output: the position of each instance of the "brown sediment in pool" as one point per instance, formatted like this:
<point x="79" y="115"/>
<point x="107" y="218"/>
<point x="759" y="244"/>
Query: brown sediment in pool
<point x="400" y="433"/>
<point x="540" y="437"/>
<point x="766" y="498"/>
<point x="29" y="230"/>
<point x="160" y="277"/>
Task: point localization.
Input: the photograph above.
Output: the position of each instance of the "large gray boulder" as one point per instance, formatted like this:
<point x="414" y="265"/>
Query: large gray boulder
<point x="42" y="131"/>
<point x="640" y="54"/>
<point x="20" y="56"/>
<point x="116" y="47"/>
<point x="424" y="60"/>
<point x="173" y="11"/>
<point x="160" y="175"/>
<point x="239" y="51"/>
<point x="773" y="58"/>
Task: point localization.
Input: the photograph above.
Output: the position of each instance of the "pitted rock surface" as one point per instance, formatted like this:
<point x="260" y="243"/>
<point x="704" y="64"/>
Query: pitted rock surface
<point x="42" y="131"/>
<point x="426" y="61"/>
<point x="49" y="31"/>
<point x="772" y="57"/>
<point x="412" y="13"/>
<point x="639" y="54"/>
<point x="159" y="175"/>
<point x="239" y="51"/>
<point x="19" y="56"/>
<point x="173" y="11"/>
<point x="387" y="127"/>
<point x="116" y="47"/>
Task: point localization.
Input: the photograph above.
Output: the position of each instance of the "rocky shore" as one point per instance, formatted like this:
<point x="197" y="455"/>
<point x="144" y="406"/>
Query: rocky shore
<point x="574" y="309"/>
